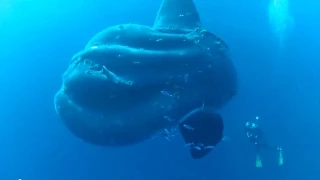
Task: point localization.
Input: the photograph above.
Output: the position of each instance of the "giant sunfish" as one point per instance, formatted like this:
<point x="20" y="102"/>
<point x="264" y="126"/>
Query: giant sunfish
<point x="132" y="82"/>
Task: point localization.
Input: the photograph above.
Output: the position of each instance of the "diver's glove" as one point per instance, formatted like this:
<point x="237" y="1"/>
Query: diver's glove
<point x="280" y="156"/>
<point x="258" y="161"/>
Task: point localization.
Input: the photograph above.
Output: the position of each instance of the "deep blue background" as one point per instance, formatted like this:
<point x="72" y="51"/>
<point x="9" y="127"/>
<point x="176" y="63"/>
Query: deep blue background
<point x="38" y="38"/>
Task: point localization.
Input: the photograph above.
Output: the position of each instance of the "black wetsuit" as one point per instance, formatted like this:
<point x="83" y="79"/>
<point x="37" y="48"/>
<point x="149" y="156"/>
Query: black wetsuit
<point x="255" y="135"/>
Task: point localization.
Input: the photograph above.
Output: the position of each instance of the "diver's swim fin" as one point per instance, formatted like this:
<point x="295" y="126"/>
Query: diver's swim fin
<point x="202" y="130"/>
<point x="258" y="161"/>
<point x="280" y="157"/>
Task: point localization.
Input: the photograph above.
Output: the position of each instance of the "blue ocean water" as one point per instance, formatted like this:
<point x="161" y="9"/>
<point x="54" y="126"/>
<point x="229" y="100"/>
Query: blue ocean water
<point x="280" y="84"/>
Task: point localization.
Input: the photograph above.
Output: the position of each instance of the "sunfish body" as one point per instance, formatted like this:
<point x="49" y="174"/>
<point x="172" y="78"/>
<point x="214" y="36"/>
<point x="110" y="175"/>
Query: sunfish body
<point x="132" y="82"/>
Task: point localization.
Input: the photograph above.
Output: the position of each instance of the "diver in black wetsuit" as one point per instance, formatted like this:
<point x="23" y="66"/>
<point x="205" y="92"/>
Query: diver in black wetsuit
<point x="255" y="135"/>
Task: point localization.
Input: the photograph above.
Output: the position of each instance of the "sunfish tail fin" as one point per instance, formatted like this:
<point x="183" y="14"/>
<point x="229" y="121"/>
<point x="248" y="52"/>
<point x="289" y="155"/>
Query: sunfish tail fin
<point x="202" y="130"/>
<point x="177" y="14"/>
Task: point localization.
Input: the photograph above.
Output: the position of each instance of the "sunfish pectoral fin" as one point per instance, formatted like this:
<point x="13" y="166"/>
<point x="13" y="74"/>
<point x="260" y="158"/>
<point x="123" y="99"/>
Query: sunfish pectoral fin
<point x="202" y="130"/>
<point x="177" y="14"/>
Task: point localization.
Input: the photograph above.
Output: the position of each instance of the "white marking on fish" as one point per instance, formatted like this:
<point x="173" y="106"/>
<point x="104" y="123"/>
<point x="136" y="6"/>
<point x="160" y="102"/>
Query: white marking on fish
<point x="188" y="127"/>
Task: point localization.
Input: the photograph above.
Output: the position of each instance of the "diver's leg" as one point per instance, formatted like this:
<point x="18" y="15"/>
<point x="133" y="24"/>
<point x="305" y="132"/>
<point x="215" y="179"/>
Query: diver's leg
<point x="258" y="158"/>
<point x="280" y="158"/>
<point x="277" y="149"/>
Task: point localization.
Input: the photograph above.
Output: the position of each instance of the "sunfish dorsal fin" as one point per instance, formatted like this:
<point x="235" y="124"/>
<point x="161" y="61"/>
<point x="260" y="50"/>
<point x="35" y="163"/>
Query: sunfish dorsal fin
<point x="177" y="14"/>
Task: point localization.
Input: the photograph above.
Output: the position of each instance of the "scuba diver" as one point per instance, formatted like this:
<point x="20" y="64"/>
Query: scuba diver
<point x="255" y="135"/>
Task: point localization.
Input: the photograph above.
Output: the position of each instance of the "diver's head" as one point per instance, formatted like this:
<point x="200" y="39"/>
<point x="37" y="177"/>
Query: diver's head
<point x="251" y="125"/>
<point x="248" y="124"/>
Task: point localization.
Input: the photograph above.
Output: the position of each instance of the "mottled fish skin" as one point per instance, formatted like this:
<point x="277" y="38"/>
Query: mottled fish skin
<point x="133" y="81"/>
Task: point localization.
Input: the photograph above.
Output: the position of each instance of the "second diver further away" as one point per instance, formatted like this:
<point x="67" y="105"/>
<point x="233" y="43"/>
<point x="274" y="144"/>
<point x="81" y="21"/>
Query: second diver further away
<point x="255" y="135"/>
